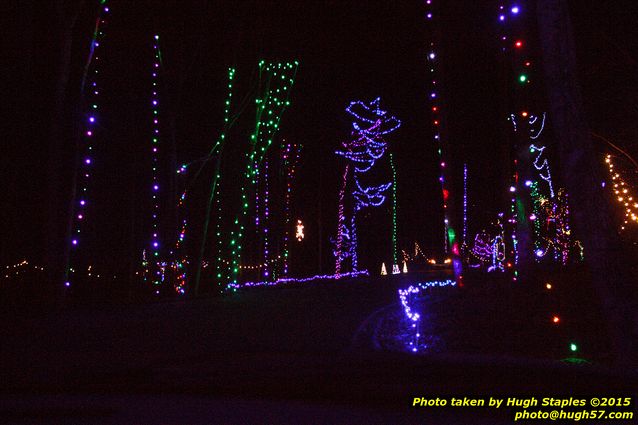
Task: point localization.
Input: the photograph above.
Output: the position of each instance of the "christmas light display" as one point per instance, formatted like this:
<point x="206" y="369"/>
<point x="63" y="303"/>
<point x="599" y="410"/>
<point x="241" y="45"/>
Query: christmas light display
<point x="542" y="165"/>
<point x="551" y="226"/>
<point x="489" y="248"/>
<point x="536" y="126"/>
<point x="288" y="281"/>
<point x="414" y="257"/>
<point x="290" y="155"/>
<point x="513" y="30"/>
<point x="299" y="234"/>
<point x="369" y="123"/>
<point x="216" y="151"/>
<point x="406" y="298"/>
<point x="91" y="128"/>
<point x="449" y="236"/>
<point x="179" y="262"/>
<point x="157" y="275"/>
<point x="624" y="194"/>
<point x="20" y="268"/>
<point x="266" y="220"/>
<point x="394" y="210"/>
<point x="275" y="83"/>
<point x="342" y="231"/>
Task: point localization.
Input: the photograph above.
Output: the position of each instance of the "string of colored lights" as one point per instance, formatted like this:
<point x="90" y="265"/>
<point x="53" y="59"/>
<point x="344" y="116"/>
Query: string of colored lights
<point x="276" y="81"/>
<point x="178" y="265"/>
<point x="215" y="191"/>
<point x="449" y="236"/>
<point x="91" y="120"/>
<point x="551" y="225"/>
<point x="179" y="259"/>
<point x="512" y="27"/>
<point x="513" y="220"/>
<point x="481" y="248"/>
<point x="542" y="165"/>
<point x="286" y="281"/>
<point x="488" y="249"/>
<point x="341" y="231"/>
<point x="394" y="210"/>
<point x="290" y="155"/>
<point x="271" y="261"/>
<point x="216" y="150"/>
<point x="23" y="266"/>
<point x="624" y="195"/>
<point x="266" y="270"/>
<point x="369" y="123"/>
<point x="156" y="271"/>
<point x="414" y="318"/>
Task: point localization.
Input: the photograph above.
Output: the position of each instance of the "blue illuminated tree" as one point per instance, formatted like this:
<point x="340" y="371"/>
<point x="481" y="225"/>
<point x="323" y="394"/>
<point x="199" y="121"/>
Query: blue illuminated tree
<point x="370" y="123"/>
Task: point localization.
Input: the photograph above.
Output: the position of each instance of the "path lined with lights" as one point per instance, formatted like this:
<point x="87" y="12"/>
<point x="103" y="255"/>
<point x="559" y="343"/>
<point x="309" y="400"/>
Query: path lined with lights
<point x="624" y="194"/>
<point x="412" y="316"/>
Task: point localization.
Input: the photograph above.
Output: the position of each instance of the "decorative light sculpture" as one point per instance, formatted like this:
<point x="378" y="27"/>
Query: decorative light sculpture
<point x="370" y="123"/>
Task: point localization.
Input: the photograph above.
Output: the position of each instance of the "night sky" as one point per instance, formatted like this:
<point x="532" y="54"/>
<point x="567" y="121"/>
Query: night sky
<point x="347" y="51"/>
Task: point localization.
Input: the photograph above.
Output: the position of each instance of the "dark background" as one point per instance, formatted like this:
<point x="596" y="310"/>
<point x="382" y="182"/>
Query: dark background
<point x="347" y="51"/>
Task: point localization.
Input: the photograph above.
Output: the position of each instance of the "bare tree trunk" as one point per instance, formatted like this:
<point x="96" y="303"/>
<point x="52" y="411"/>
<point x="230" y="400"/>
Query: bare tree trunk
<point x="582" y="173"/>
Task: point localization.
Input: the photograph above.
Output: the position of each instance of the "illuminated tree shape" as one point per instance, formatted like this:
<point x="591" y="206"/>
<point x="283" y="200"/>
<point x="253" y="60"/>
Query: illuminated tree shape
<point x="488" y="249"/>
<point x="90" y="132"/>
<point x="536" y="125"/>
<point x="370" y="196"/>
<point x="369" y="124"/>
<point x="276" y="80"/>
<point x="542" y="164"/>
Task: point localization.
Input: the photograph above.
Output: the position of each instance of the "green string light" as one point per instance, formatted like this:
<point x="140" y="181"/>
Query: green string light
<point x="394" y="209"/>
<point x="214" y="193"/>
<point x="271" y="103"/>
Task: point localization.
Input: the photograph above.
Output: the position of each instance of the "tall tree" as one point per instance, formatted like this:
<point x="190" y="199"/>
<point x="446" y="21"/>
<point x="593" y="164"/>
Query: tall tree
<point x="65" y="16"/>
<point x="583" y="173"/>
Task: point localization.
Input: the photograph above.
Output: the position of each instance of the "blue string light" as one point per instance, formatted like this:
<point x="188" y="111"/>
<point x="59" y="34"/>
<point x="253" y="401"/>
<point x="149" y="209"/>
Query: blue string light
<point x="369" y="123"/>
